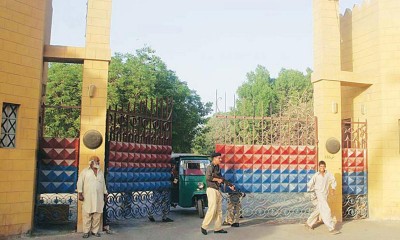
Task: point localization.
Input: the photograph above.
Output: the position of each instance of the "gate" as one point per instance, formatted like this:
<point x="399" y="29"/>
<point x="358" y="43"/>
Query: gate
<point x="138" y="153"/>
<point x="355" y="174"/>
<point x="57" y="174"/>
<point x="270" y="159"/>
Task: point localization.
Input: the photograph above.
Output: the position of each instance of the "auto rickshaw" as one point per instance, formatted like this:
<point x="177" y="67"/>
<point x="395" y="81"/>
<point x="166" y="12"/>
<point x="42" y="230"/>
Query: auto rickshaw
<point x="189" y="184"/>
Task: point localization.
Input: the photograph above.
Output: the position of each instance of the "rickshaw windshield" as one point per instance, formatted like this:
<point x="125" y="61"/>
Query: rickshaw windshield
<point x="193" y="167"/>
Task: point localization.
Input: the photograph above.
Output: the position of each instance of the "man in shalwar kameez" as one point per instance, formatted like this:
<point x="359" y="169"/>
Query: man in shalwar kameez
<point x="92" y="191"/>
<point x="320" y="183"/>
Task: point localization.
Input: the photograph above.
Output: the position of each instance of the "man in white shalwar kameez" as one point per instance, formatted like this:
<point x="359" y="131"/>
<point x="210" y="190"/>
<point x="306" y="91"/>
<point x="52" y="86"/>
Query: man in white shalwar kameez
<point x="320" y="183"/>
<point x="92" y="191"/>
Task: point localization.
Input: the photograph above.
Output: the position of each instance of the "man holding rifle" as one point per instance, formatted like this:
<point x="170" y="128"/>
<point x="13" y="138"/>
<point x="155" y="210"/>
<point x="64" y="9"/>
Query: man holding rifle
<point x="214" y="181"/>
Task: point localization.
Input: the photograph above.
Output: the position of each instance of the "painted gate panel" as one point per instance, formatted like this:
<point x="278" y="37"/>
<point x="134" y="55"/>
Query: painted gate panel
<point x="355" y="184"/>
<point x="355" y="170"/>
<point x="274" y="179"/>
<point x="138" y="167"/>
<point x="56" y="200"/>
<point x="138" y="154"/>
<point x="267" y="168"/>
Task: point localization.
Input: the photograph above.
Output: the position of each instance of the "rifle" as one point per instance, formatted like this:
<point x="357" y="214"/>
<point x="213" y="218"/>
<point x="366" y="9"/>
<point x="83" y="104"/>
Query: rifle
<point x="224" y="181"/>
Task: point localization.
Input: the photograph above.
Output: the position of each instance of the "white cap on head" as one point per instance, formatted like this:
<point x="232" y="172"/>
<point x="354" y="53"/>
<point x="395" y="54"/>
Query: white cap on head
<point x="93" y="159"/>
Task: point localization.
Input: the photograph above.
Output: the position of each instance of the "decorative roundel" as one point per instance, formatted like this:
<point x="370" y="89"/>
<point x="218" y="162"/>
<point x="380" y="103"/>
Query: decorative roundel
<point x="332" y="145"/>
<point x="92" y="139"/>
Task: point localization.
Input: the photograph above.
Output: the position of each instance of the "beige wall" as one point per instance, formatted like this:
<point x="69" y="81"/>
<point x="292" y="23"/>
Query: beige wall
<point x="24" y="44"/>
<point x="369" y="77"/>
<point x="22" y="37"/>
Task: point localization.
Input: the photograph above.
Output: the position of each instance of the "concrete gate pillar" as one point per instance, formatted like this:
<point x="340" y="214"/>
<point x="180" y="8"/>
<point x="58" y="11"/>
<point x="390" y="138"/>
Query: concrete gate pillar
<point x="327" y="90"/>
<point x="95" y="78"/>
<point x="327" y="102"/>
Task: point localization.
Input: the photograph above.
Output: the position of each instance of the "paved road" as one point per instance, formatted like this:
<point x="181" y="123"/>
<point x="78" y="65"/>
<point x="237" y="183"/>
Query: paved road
<point x="187" y="226"/>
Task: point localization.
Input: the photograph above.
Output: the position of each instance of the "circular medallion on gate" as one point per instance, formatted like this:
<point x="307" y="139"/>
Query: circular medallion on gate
<point x="92" y="139"/>
<point x="332" y="145"/>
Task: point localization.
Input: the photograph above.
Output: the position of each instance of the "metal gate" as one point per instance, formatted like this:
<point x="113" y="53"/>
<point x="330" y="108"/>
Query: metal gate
<point x="57" y="174"/>
<point x="355" y="170"/>
<point x="270" y="159"/>
<point x="138" y="153"/>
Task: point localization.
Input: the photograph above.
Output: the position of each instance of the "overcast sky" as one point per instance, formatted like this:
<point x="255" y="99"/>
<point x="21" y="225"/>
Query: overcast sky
<point x="210" y="44"/>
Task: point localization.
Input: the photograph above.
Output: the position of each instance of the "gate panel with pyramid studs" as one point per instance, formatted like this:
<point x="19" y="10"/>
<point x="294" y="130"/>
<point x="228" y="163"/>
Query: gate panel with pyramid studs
<point x="270" y="159"/>
<point x="355" y="170"/>
<point x="274" y="179"/>
<point x="138" y="159"/>
<point x="56" y="199"/>
<point x="267" y="168"/>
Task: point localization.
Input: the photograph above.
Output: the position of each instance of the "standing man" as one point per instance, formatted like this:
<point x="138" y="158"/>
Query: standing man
<point x="234" y="208"/>
<point x="320" y="183"/>
<point x="92" y="191"/>
<point x="214" y="197"/>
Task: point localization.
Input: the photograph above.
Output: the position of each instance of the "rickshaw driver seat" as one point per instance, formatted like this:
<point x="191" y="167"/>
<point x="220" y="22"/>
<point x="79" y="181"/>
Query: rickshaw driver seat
<point x="193" y="172"/>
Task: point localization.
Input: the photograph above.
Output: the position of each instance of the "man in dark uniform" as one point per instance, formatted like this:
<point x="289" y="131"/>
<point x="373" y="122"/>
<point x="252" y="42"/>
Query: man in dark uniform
<point x="214" y="197"/>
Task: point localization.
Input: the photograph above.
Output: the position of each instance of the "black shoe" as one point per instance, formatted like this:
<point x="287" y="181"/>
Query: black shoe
<point x="235" y="225"/>
<point x="203" y="231"/>
<point x="151" y="218"/>
<point x="85" y="235"/>
<point x="221" y="231"/>
<point x="226" y="223"/>
<point x="167" y="220"/>
<point x="96" y="234"/>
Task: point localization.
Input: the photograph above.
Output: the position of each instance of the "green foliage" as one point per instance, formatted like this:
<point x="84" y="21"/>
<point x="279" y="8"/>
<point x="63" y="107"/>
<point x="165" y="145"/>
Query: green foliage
<point x="131" y="77"/>
<point x="64" y="87"/>
<point x="292" y="84"/>
<point x="141" y="75"/>
<point x="203" y="142"/>
<point x="256" y="94"/>
<point x="290" y="94"/>
<point x="262" y="95"/>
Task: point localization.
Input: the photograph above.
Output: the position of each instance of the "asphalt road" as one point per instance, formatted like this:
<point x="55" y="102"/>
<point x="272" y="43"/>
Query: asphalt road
<point x="187" y="226"/>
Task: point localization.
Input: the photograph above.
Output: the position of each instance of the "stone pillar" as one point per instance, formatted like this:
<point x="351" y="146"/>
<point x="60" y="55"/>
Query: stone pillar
<point x="327" y="90"/>
<point x="327" y="107"/>
<point x="95" y="76"/>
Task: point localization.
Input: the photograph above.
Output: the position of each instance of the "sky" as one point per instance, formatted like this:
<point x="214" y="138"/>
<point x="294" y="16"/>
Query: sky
<point x="210" y="44"/>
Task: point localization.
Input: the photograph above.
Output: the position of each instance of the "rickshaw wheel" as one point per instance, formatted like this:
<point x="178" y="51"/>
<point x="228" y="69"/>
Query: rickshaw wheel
<point x="200" y="208"/>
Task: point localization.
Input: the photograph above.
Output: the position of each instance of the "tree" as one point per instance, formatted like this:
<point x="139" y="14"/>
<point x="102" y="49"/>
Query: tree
<point x="64" y="87"/>
<point x="256" y="94"/>
<point x="262" y="95"/>
<point x="291" y="85"/>
<point x="141" y="75"/>
<point x="204" y="142"/>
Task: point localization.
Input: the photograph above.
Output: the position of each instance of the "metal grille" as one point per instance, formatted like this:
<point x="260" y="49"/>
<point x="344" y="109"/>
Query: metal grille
<point x="8" y="125"/>
<point x="266" y="130"/>
<point x="147" y="122"/>
<point x="355" y="170"/>
<point x="277" y="207"/>
<point x="126" y="205"/>
<point x="355" y="206"/>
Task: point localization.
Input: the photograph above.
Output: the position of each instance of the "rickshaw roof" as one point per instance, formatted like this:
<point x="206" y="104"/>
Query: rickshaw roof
<point x="179" y="155"/>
